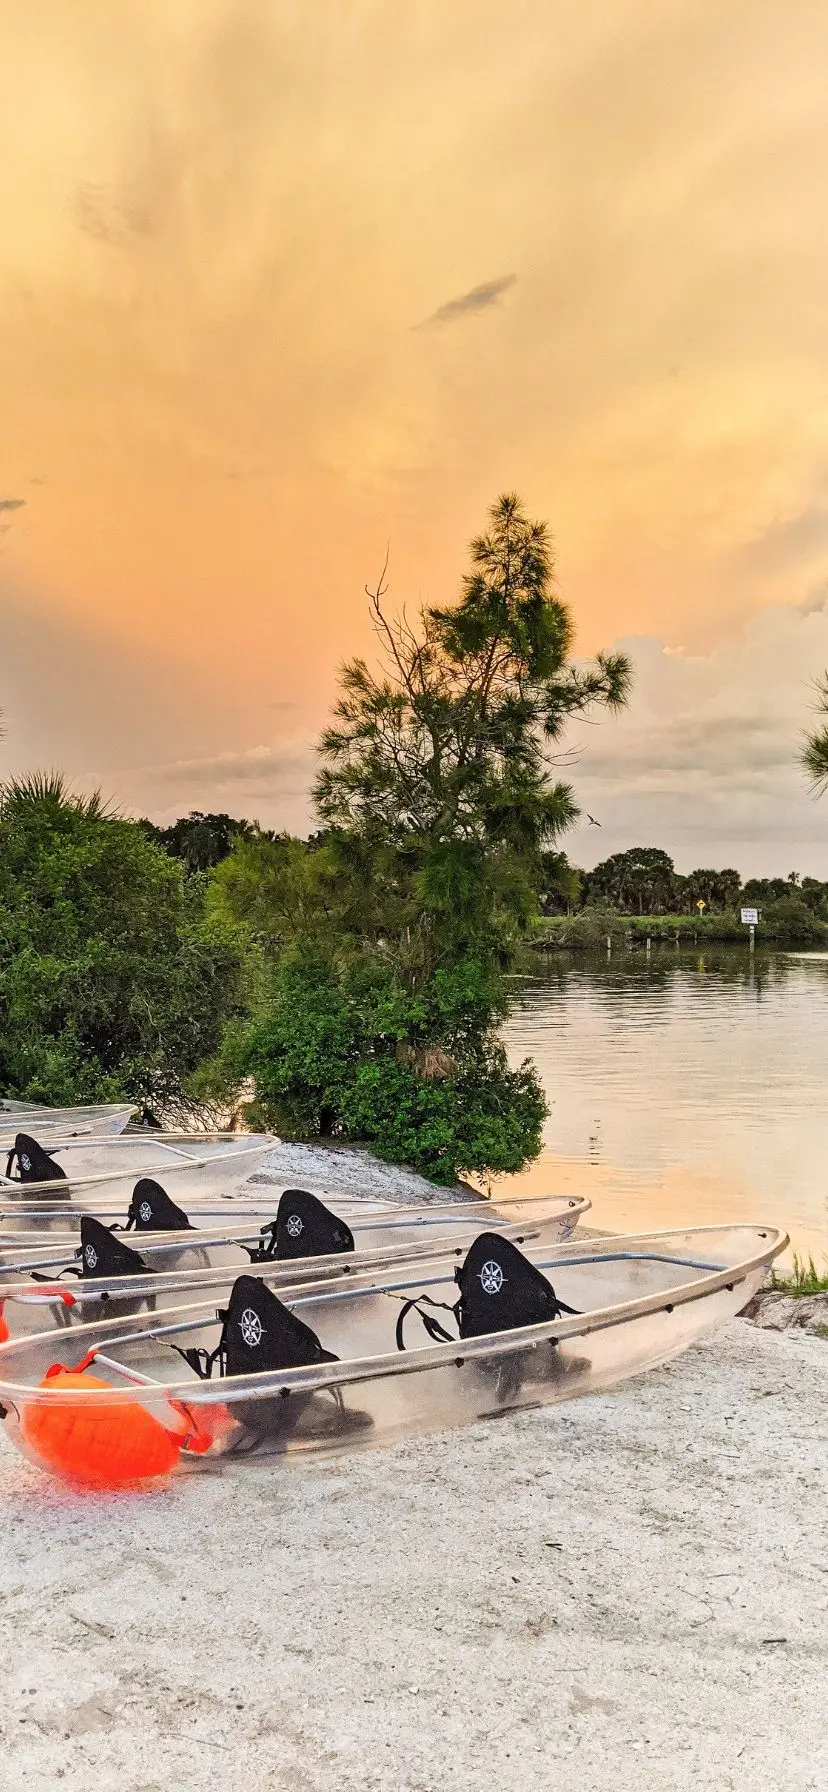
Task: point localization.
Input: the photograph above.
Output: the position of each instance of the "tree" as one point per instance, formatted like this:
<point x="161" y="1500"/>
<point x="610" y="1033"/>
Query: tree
<point x="559" y="883"/>
<point x="281" y="888"/>
<point x="641" y="881"/>
<point x="112" y="982"/>
<point x="758" y="891"/>
<point x="201" y="841"/>
<point x="814" y="894"/>
<point x="716" y="889"/>
<point x="445" y="758"/>
<point x="438" y="797"/>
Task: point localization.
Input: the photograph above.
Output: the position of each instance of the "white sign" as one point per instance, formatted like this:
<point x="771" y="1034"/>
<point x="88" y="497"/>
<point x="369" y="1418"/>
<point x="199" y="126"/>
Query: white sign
<point x="750" y="917"/>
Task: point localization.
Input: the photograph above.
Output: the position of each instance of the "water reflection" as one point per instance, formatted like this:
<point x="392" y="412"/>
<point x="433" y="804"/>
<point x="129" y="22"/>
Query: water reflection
<point x="683" y="1086"/>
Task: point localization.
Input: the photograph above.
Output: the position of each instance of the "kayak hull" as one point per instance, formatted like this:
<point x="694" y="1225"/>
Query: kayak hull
<point x="107" y="1120"/>
<point x="219" y="1244"/>
<point x="643" y="1300"/>
<point x="102" y="1173"/>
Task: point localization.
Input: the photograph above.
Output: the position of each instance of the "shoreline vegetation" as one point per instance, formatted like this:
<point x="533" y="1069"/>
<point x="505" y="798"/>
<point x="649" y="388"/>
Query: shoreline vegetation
<point x="784" y="925"/>
<point x="638" y="895"/>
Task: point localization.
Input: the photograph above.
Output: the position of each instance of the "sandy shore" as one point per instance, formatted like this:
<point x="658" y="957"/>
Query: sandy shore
<point x="628" y="1593"/>
<point x="326" y="1168"/>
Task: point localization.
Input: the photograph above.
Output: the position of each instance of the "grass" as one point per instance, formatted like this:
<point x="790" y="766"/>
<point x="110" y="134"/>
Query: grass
<point x="805" y="1278"/>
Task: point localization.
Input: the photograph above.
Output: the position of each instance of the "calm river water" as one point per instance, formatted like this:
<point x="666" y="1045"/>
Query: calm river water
<point x="690" y="1087"/>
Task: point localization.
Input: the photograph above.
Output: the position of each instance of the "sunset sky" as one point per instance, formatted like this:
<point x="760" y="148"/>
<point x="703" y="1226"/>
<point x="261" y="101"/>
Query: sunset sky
<point x="284" y="281"/>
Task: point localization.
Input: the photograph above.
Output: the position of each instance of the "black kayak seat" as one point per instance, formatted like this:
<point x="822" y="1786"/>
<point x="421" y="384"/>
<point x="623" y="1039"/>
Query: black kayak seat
<point x="33" y="1162"/>
<point x="151" y="1209"/>
<point x="103" y="1254"/>
<point x="303" y="1227"/>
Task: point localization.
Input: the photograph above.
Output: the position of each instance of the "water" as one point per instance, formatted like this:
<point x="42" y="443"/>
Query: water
<point x="687" y="1087"/>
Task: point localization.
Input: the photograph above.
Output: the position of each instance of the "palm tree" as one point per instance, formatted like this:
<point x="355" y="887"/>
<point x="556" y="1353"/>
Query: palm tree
<point x="814" y="754"/>
<point x="50" y="793"/>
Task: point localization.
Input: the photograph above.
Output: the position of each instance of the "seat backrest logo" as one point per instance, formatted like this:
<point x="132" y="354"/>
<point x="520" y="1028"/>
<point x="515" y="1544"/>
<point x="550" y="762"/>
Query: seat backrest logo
<point x="294" y="1226"/>
<point x="250" y="1326"/>
<point x="491" y="1277"/>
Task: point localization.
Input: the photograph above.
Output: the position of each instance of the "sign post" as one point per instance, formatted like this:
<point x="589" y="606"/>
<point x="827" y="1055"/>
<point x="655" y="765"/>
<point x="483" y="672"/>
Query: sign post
<point x="750" y="918"/>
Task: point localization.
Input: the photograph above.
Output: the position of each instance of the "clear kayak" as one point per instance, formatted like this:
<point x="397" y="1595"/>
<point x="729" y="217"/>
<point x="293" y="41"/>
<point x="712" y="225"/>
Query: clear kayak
<point x="299" y="1225"/>
<point x="305" y="1242"/>
<point x="106" y="1120"/>
<point x="63" y="1175"/>
<point x="316" y="1367"/>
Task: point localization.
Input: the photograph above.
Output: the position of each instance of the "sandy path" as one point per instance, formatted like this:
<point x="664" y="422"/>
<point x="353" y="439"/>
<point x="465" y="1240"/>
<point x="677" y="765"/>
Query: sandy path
<point x="588" y="1596"/>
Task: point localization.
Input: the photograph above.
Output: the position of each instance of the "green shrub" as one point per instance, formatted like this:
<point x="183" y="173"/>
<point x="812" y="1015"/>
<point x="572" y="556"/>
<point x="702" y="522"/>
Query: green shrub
<point x="112" y="983"/>
<point x="790" y="923"/>
<point x="347" y="1051"/>
<point x="488" y="1118"/>
<point x="586" y="931"/>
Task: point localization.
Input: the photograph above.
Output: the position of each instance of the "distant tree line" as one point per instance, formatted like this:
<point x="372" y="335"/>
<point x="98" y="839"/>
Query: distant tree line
<point x="644" y="881"/>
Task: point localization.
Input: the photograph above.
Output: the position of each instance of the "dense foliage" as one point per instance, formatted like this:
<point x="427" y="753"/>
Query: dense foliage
<point x="334" y="1052"/>
<point x="784" y="923"/>
<point x="636" y="882"/>
<point x="112" y="981"/>
<point x="200" y="841"/>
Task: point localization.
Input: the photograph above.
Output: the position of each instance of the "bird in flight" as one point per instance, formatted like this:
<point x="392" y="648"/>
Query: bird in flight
<point x="592" y="822"/>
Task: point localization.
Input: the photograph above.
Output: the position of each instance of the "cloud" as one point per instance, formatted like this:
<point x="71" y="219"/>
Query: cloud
<point x="790" y="542"/>
<point x="12" y="503"/>
<point x="266" y="783"/>
<point x="209" y="270"/>
<point x="705" y="760"/>
<point x="480" y="298"/>
<point x="289" y="767"/>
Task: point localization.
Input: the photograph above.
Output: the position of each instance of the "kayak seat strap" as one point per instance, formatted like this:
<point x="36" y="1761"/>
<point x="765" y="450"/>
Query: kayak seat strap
<point x="436" y="1331"/>
<point x="203" y="1361"/>
<point x="68" y="1269"/>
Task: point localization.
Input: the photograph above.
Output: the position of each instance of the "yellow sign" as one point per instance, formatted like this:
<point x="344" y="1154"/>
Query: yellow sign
<point x="701" y="904"/>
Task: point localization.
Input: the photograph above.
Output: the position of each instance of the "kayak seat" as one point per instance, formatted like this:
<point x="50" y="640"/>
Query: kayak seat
<point x="103" y="1253"/>
<point x="151" y="1209"/>
<point x="33" y="1163"/>
<point x="303" y="1227"/>
<point x="500" y="1291"/>
<point x="259" y="1334"/>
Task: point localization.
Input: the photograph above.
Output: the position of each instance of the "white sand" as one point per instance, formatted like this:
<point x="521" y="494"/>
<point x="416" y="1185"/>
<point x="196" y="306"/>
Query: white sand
<point x="627" y="1593"/>
<point x="326" y="1168"/>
